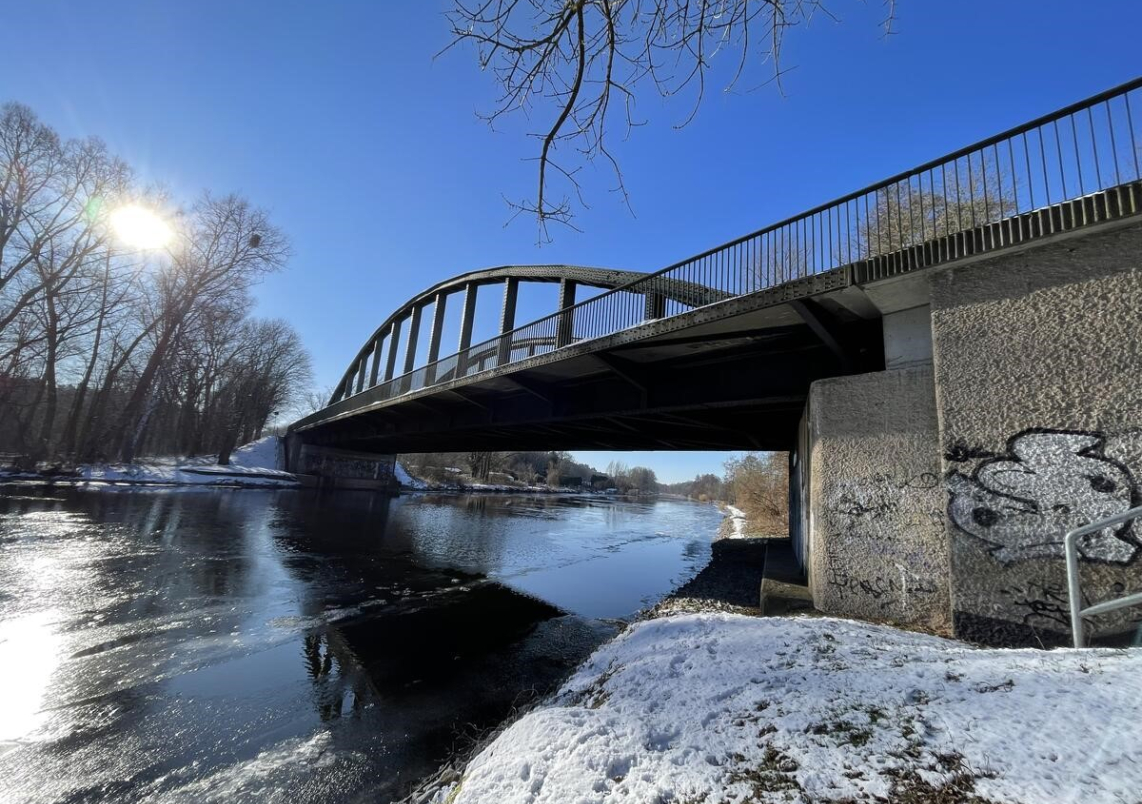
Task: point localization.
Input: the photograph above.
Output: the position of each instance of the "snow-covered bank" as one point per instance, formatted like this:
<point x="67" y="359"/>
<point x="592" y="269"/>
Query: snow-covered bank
<point x="736" y="520"/>
<point x="725" y="708"/>
<point x="253" y="464"/>
<point x="408" y="482"/>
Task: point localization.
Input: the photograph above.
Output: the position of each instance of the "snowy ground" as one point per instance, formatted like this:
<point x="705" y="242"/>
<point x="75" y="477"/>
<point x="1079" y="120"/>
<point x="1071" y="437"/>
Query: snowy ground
<point x="253" y="464"/>
<point x="736" y="518"/>
<point x="718" y="708"/>
<point x="408" y="482"/>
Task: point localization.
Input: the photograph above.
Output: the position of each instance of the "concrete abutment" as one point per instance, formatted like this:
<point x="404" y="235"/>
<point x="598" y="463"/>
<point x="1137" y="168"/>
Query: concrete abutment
<point x="326" y="467"/>
<point x="1010" y="412"/>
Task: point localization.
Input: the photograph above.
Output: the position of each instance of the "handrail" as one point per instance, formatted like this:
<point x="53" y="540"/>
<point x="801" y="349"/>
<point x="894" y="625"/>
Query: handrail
<point x="1003" y="190"/>
<point x="1074" y="592"/>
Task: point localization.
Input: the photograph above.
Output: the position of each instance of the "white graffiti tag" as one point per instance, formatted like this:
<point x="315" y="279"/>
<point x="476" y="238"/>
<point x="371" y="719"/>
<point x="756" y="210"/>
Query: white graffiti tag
<point x="1051" y="482"/>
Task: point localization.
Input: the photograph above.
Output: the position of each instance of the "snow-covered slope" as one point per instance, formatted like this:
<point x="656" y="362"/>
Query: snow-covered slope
<point x="725" y="708"/>
<point x="265" y="453"/>
<point x="406" y="480"/>
<point x="253" y="464"/>
<point x="737" y="522"/>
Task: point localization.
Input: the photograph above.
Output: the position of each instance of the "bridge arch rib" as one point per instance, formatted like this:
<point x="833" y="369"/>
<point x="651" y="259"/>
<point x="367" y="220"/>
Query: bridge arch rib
<point x="366" y="369"/>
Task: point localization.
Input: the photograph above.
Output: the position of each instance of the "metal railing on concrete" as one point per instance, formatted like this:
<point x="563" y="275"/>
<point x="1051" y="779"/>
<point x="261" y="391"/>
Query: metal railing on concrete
<point x="1076" y="166"/>
<point x="1074" y="584"/>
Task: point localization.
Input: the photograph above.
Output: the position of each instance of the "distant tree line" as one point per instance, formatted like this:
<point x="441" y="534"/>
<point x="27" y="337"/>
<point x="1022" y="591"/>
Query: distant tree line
<point x="108" y="350"/>
<point x="531" y="468"/>
<point x="632" y="479"/>
<point x="756" y="482"/>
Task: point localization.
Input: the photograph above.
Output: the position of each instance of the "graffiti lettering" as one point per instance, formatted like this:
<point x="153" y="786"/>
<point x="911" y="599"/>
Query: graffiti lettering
<point x="878" y="505"/>
<point x="1050" y="481"/>
<point x="1040" y="601"/>
<point x="886" y="590"/>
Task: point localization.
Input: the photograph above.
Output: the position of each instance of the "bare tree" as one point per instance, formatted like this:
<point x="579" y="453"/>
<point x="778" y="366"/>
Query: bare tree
<point x="104" y="351"/>
<point x="582" y="58"/>
<point x="226" y="246"/>
<point x="758" y="482"/>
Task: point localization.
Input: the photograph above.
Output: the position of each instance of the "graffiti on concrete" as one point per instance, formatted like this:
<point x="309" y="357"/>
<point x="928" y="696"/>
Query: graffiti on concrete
<point x="888" y="591"/>
<point x="1050" y="481"/>
<point x="878" y="506"/>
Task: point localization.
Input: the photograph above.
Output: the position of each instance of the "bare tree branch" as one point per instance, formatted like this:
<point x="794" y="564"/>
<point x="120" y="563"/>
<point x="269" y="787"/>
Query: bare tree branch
<point x="573" y="56"/>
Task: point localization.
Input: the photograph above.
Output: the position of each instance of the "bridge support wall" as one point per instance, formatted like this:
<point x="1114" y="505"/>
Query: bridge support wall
<point x="1038" y="368"/>
<point x="879" y="547"/>
<point x="338" y="468"/>
<point x="940" y="489"/>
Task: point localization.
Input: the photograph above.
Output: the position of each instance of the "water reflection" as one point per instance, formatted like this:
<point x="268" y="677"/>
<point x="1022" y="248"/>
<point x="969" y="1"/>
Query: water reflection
<point x="29" y="654"/>
<point x="210" y="645"/>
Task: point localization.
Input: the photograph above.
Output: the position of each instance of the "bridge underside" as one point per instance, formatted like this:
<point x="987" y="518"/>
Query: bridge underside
<point x="729" y="378"/>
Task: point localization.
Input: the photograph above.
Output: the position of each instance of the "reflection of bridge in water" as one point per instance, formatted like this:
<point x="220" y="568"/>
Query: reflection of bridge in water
<point x="908" y="330"/>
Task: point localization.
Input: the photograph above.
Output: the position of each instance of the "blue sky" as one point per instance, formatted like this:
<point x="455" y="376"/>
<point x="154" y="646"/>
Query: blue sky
<point x="368" y="152"/>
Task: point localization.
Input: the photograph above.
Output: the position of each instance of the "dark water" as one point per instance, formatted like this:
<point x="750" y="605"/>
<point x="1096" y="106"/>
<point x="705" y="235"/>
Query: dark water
<point x="291" y="646"/>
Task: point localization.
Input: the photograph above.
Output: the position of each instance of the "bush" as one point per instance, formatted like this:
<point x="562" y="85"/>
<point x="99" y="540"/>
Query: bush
<point x="758" y="484"/>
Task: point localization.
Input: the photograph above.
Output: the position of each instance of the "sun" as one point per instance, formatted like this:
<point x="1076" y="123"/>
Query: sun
<point x="140" y="227"/>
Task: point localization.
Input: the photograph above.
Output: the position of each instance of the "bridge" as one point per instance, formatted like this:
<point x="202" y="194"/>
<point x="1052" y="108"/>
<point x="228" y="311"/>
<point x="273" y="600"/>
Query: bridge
<point x="943" y="353"/>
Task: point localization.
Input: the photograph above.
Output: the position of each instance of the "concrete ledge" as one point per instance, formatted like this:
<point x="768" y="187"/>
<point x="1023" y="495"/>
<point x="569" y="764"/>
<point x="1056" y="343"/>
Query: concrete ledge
<point x="779" y="598"/>
<point x="784" y="589"/>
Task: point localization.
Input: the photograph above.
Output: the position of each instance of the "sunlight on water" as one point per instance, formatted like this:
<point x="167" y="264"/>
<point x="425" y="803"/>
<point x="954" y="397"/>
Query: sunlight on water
<point x="29" y="654"/>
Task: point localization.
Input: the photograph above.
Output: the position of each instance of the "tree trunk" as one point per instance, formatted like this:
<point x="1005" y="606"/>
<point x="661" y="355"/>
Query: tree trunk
<point x="71" y="428"/>
<point x="51" y="391"/>
<point x="141" y="402"/>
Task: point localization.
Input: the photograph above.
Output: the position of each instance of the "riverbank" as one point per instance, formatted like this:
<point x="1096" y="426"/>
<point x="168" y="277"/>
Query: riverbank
<point x="409" y="482"/>
<point x="253" y="465"/>
<point x="701" y="700"/>
<point x="723" y="707"/>
<point x="258" y="464"/>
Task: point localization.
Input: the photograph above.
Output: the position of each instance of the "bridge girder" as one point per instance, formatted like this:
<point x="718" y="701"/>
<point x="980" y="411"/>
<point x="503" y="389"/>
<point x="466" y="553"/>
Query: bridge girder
<point x="743" y="389"/>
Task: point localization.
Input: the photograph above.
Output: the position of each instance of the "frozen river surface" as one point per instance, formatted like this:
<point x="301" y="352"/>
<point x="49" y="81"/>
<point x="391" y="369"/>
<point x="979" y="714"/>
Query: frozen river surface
<point x="292" y="646"/>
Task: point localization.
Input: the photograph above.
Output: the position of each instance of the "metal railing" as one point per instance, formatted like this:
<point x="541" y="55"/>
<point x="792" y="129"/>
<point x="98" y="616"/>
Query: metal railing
<point x="1074" y="590"/>
<point x="1076" y="166"/>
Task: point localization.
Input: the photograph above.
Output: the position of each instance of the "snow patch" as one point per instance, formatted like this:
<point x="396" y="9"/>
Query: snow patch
<point x="406" y="480"/>
<point x="737" y="522"/>
<point x="265" y="453"/>
<point x="721" y="707"/>
<point x="253" y="464"/>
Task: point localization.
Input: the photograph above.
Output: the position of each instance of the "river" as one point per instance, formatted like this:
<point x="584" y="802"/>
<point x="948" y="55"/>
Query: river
<point x="201" y="645"/>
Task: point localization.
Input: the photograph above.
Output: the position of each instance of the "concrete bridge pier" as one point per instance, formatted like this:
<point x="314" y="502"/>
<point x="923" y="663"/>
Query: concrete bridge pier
<point x="327" y="467"/>
<point x="937" y="492"/>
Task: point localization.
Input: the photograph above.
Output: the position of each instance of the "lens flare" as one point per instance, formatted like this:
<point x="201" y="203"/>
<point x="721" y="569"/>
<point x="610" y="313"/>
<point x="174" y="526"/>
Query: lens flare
<point x="140" y="228"/>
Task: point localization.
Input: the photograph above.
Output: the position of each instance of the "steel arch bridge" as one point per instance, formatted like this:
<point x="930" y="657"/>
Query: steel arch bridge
<point x="401" y="330"/>
<point x="719" y="350"/>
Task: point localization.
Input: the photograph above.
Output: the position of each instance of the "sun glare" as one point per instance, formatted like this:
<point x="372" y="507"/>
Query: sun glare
<point x="140" y="227"/>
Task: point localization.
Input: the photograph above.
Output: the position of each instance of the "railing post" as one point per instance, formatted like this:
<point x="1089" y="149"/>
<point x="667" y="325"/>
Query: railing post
<point x="394" y="345"/>
<point x="434" y="337"/>
<point x="507" y="321"/>
<point x="467" y="318"/>
<point x="1074" y="591"/>
<point x="655" y="306"/>
<point x="565" y="331"/>
<point x="1074" y="582"/>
